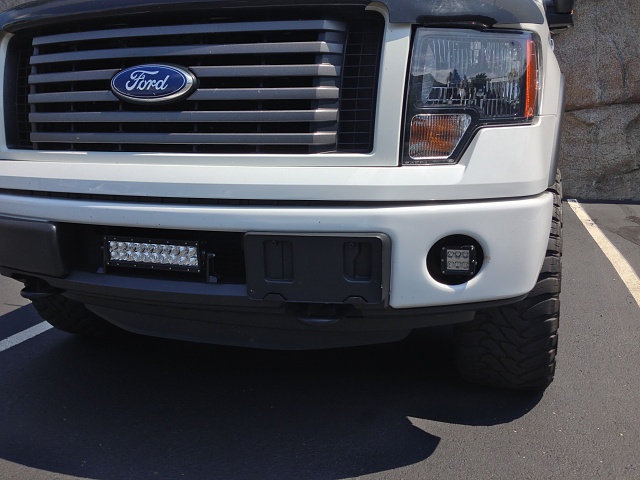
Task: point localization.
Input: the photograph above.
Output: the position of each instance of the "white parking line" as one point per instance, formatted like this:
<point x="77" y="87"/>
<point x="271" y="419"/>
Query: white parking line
<point x="23" y="336"/>
<point x="622" y="266"/>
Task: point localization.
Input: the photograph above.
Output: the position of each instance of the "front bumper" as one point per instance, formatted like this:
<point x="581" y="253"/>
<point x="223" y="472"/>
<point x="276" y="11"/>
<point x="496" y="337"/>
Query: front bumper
<point x="512" y="233"/>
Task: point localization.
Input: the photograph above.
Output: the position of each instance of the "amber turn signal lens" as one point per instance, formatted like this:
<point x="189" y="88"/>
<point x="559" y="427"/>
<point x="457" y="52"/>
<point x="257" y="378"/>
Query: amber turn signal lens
<point x="531" y="95"/>
<point x="434" y="137"/>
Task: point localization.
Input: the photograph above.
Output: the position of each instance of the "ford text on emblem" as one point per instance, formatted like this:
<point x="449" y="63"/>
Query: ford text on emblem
<point x="152" y="83"/>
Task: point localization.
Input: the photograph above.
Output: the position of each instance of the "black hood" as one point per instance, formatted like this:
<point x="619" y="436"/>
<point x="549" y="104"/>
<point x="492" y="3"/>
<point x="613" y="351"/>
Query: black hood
<point x="44" y="12"/>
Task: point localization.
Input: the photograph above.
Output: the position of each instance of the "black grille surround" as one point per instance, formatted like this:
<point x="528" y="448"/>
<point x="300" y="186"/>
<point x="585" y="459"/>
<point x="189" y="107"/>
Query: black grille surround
<point x="276" y="86"/>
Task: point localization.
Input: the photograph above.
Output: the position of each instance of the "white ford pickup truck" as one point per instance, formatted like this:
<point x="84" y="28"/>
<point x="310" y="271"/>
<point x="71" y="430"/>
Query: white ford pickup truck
<point x="289" y="173"/>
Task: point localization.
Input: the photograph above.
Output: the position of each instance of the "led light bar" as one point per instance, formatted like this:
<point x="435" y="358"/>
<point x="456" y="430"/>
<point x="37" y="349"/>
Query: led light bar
<point x="163" y="255"/>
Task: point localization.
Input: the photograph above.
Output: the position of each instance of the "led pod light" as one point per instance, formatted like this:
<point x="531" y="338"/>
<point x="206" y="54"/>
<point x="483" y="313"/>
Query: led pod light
<point x="461" y="80"/>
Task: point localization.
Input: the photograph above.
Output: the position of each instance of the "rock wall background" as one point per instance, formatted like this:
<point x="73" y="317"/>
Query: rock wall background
<point x="600" y="57"/>
<point x="6" y="4"/>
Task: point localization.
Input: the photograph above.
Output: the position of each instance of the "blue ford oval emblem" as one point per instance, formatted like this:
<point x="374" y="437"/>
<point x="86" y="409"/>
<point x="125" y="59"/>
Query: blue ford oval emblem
<point x="152" y="83"/>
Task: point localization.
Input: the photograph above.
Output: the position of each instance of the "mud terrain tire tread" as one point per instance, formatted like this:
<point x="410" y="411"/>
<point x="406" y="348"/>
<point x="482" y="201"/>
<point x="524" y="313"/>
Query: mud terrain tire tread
<point x="515" y="346"/>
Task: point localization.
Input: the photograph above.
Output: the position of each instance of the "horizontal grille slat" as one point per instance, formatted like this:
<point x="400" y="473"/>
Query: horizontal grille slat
<point x="318" y="138"/>
<point x="191" y="51"/>
<point x="267" y="86"/>
<point x="320" y="115"/>
<point x="318" y="93"/>
<point x="267" y="70"/>
<point x="202" y="94"/>
<point x="203" y="28"/>
<point x="82" y="76"/>
<point x="201" y="72"/>
<point x="68" y="97"/>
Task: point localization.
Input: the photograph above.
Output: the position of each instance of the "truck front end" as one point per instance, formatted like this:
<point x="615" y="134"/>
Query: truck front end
<point x="308" y="175"/>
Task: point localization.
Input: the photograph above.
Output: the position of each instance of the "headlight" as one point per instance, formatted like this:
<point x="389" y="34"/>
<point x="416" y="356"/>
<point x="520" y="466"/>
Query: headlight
<point x="461" y="80"/>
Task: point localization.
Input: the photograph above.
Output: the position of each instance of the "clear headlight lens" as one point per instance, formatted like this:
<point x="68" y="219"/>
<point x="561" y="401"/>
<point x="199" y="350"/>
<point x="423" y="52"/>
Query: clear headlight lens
<point x="464" y="78"/>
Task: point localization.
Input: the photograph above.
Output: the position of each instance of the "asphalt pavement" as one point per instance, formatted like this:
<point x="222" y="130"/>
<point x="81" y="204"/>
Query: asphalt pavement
<point x="144" y="408"/>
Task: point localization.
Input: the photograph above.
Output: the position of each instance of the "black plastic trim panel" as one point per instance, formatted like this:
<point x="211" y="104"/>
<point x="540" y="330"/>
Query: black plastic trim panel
<point x="224" y="314"/>
<point x="31" y="247"/>
<point x="343" y="268"/>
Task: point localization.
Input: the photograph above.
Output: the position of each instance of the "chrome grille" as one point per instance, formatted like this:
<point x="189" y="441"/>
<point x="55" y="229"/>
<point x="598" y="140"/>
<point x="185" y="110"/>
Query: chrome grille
<point x="263" y="87"/>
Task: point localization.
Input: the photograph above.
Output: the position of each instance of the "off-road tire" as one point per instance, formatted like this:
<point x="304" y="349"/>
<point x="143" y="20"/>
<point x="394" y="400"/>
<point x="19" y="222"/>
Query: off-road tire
<point x="515" y="346"/>
<point x="72" y="317"/>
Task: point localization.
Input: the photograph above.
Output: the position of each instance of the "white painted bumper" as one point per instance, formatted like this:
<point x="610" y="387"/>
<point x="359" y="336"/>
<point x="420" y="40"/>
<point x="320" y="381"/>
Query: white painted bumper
<point x="512" y="233"/>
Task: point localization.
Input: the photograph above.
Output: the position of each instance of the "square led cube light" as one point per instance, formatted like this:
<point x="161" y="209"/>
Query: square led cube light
<point x="458" y="260"/>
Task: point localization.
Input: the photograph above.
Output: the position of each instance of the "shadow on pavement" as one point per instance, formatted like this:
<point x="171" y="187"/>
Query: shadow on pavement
<point x="148" y="408"/>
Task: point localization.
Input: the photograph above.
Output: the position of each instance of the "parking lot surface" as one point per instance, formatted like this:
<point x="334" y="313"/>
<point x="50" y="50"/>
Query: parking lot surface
<point x="144" y="408"/>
